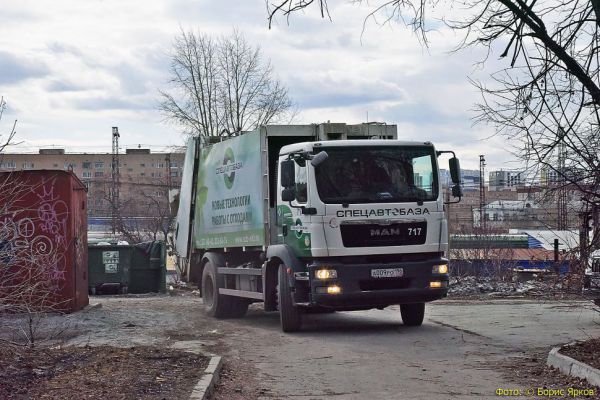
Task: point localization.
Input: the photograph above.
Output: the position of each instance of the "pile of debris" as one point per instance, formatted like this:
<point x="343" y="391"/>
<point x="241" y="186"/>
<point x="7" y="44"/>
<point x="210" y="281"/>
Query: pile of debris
<point x="472" y="286"/>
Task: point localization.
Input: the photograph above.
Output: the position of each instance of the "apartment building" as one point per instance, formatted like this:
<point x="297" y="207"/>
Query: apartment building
<point x="145" y="177"/>
<point x="506" y="179"/>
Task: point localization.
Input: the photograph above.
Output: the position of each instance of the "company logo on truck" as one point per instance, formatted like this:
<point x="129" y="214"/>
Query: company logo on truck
<point x="382" y="212"/>
<point x="385" y="232"/>
<point x="229" y="167"/>
<point x="298" y="228"/>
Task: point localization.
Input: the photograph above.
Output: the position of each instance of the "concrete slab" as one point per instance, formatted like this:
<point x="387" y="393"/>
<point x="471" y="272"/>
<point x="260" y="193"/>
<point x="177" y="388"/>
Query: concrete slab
<point x="210" y="378"/>
<point x="570" y="366"/>
<point x="520" y="324"/>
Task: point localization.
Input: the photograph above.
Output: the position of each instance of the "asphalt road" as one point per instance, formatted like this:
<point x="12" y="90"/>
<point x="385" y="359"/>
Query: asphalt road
<point x="370" y="354"/>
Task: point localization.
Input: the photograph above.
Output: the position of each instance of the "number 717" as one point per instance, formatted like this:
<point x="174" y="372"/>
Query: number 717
<point x="414" y="231"/>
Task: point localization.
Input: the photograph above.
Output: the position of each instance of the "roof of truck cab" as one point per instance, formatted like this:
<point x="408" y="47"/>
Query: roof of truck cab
<point x="310" y="146"/>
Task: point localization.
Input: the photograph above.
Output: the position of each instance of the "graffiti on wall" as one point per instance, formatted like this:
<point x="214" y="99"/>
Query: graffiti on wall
<point x="33" y="235"/>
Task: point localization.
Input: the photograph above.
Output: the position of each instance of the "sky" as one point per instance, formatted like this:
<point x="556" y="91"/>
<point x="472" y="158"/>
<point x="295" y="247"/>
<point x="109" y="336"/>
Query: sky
<point x="71" y="70"/>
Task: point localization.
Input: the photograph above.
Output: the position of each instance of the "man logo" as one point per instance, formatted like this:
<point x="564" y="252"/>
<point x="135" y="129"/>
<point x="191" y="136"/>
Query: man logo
<point x="229" y="159"/>
<point x="385" y="232"/>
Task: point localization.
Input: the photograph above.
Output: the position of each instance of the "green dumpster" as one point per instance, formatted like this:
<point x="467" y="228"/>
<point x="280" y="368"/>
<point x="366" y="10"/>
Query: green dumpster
<point x="139" y="268"/>
<point x="108" y="268"/>
<point x="148" y="268"/>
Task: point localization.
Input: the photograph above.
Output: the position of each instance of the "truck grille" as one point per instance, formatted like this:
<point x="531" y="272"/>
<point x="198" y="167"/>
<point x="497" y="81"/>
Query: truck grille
<point x="371" y="235"/>
<point x="384" y="284"/>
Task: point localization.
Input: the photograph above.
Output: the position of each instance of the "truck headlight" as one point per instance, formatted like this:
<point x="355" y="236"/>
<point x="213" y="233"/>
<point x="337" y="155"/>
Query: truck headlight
<point x="437" y="284"/>
<point x="440" y="269"/>
<point x="324" y="274"/>
<point x="335" y="289"/>
<point x="331" y="289"/>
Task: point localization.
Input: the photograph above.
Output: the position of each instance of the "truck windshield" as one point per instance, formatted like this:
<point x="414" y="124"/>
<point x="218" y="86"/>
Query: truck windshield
<point x="382" y="174"/>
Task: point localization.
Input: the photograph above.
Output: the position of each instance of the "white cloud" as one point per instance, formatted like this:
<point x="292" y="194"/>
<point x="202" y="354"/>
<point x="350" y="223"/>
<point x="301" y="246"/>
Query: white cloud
<point x="79" y="68"/>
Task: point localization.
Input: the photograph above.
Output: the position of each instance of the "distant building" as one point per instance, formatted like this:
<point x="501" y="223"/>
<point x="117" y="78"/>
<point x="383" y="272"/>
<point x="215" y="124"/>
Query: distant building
<point x="460" y="215"/>
<point x="525" y="214"/>
<point x="145" y="177"/>
<point x="505" y="179"/>
<point x="501" y="212"/>
<point x="553" y="177"/>
<point x="549" y="177"/>
<point x="469" y="179"/>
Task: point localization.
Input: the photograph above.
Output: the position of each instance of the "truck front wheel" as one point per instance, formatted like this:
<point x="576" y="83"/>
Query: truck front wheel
<point x="290" y="316"/>
<point x="412" y="314"/>
<point x="219" y="305"/>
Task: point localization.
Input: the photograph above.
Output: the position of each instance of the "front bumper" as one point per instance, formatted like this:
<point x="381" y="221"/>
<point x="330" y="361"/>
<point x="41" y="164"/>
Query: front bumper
<point x="359" y="290"/>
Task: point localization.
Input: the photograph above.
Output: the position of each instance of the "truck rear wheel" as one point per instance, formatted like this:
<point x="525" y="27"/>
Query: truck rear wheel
<point x="289" y="315"/>
<point x="219" y="305"/>
<point x="412" y="314"/>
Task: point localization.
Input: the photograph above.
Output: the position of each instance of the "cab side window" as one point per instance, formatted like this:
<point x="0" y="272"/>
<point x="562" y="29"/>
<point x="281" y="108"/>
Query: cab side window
<point x="301" y="184"/>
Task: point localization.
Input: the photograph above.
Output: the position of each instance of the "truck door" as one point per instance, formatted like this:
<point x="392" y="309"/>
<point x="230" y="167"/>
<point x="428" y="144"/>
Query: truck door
<point x="298" y="225"/>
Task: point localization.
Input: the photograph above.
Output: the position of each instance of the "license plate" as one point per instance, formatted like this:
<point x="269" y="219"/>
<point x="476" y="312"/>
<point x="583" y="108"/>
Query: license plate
<point x="387" y="273"/>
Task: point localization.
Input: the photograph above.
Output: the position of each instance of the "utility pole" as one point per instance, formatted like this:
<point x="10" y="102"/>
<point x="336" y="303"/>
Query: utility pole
<point x="115" y="177"/>
<point x="168" y="172"/>
<point x="562" y="189"/>
<point x="482" y="222"/>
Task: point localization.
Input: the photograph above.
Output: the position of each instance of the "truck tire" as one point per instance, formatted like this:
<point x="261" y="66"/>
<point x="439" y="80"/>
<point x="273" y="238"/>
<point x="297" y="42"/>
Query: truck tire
<point x="219" y="305"/>
<point x="289" y="315"/>
<point x="412" y="314"/>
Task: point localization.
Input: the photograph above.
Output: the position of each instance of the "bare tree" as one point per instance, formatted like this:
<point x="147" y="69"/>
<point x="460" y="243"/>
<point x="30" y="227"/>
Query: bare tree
<point x="32" y="256"/>
<point x="8" y="138"/>
<point x="221" y="85"/>
<point x="143" y="213"/>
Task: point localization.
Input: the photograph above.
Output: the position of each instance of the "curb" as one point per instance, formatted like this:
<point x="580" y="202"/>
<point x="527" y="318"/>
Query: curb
<point x="210" y="377"/>
<point x="572" y="367"/>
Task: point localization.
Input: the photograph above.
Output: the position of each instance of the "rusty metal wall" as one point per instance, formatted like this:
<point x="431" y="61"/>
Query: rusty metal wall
<point x="43" y="240"/>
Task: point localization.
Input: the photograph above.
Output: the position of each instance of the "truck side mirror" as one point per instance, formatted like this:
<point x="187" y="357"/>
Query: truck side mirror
<point x="288" y="174"/>
<point x="454" y="170"/>
<point x="319" y="158"/>
<point x="288" y="194"/>
<point x="456" y="191"/>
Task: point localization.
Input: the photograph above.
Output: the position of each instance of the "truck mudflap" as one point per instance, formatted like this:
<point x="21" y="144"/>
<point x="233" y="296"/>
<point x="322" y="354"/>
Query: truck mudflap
<point x="364" y="286"/>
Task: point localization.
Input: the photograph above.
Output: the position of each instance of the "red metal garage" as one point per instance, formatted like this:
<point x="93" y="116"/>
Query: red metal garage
<point x="43" y="241"/>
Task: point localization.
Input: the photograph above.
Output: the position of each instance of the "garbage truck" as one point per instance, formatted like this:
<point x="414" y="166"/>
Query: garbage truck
<point x="314" y="218"/>
<point x="592" y="277"/>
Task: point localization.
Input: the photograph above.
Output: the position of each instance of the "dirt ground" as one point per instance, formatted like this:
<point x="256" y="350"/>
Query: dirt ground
<point x="533" y="372"/>
<point x="98" y="373"/>
<point x="587" y="352"/>
<point x="135" y="342"/>
<point x="129" y="347"/>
